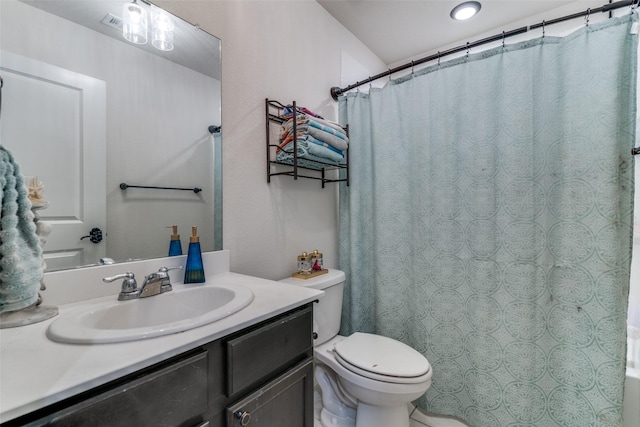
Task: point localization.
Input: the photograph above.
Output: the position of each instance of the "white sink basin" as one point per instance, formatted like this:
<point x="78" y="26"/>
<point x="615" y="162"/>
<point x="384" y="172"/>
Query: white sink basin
<point x="167" y="313"/>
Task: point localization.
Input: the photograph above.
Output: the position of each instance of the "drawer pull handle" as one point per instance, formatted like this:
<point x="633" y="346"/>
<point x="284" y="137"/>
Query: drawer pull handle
<point x="244" y="417"/>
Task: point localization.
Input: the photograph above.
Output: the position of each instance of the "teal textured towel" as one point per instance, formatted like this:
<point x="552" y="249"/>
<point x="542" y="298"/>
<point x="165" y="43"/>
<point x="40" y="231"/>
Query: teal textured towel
<point x="20" y="253"/>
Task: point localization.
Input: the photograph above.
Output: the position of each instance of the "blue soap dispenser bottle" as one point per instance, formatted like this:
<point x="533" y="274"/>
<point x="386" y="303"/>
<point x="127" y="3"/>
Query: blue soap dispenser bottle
<point x="194" y="272"/>
<point x="175" y="245"/>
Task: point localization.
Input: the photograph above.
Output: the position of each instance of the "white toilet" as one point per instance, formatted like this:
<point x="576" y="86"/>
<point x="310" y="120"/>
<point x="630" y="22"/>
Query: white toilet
<point x="366" y="380"/>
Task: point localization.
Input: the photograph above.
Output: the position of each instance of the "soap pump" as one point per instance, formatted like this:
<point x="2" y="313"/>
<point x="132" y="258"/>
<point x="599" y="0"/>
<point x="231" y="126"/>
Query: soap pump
<point x="194" y="273"/>
<point x="175" y="246"/>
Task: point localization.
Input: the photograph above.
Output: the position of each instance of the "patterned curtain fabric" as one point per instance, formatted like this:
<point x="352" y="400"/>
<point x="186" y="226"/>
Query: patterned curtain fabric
<point x="488" y="225"/>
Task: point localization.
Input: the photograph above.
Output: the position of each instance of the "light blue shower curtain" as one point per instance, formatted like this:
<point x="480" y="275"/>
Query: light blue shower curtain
<point x="488" y="225"/>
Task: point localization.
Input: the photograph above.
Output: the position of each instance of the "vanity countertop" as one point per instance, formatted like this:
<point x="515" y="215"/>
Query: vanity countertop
<point x="36" y="372"/>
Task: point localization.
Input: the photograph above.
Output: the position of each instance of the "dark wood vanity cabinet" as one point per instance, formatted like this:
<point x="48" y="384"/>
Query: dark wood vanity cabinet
<point x="260" y="376"/>
<point x="284" y="402"/>
<point x="269" y="374"/>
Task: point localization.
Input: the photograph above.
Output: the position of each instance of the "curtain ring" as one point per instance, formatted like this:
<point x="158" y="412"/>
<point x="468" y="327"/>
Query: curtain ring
<point x="503" y="36"/>
<point x="543" y="29"/>
<point x="438" y="58"/>
<point x="467" y="49"/>
<point x="412" y="70"/>
<point x="389" y="74"/>
<point x="588" y="15"/>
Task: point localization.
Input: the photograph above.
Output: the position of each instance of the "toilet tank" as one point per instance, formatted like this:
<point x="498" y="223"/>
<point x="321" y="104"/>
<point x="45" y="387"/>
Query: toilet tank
<point x="327" y="312"/>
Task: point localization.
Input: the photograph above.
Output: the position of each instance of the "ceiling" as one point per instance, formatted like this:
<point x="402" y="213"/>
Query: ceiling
<point x="395" y="30"/>
<point x="398" y="30"/>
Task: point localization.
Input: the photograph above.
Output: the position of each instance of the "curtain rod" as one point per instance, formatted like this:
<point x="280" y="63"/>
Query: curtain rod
<point x="336" y="91"/>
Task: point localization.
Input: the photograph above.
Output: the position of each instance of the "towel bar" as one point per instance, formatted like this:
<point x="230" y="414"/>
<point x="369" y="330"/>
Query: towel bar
<point x="124" y="186"/>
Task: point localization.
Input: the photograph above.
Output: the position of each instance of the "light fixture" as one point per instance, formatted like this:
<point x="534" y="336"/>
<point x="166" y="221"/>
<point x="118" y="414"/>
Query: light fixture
<point x="134" y="23"/>
<point x="465" y="10"/>
<point x="162" y="30"/>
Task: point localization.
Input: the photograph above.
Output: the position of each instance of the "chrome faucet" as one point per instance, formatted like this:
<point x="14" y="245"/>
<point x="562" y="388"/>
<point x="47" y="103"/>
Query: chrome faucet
<point x="154" y="284"/>
<point x="157" y="283"/>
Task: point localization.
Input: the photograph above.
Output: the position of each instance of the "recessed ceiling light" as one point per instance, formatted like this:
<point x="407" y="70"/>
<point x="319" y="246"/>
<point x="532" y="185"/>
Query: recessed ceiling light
<point x="465" y="10"/>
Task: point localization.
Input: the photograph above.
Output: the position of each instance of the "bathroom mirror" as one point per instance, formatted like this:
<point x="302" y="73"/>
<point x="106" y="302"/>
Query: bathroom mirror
<point x="85" y="111"/>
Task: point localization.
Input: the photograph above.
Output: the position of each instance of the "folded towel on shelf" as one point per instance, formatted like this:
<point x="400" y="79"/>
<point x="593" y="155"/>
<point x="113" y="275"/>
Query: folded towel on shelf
<point x="319" y="123"/>
<point x="309" y="164"/>
<point x="311" y="139"/>
<point x="324" y="144"/>
<point x="325" y="133"/>
<point x="307" y="149"/>
<point x="288" y="112"/>
<point x="20" y="252"/>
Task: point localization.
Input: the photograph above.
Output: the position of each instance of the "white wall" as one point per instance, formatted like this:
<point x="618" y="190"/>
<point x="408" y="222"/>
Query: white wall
<point x="285" y="50"/>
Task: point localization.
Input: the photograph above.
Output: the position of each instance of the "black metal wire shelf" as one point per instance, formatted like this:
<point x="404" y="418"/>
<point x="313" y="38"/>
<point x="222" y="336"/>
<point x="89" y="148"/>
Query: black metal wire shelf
<point x="274" y="114"/>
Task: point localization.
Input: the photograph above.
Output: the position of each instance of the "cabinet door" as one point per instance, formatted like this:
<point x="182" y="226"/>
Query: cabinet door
<point x="173" y="395"/>
<point x="286" y="401"/>
<point x="256" y="356"/>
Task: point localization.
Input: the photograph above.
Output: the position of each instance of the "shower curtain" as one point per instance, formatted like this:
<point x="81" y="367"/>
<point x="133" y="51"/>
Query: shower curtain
<point x="488" y="225"/>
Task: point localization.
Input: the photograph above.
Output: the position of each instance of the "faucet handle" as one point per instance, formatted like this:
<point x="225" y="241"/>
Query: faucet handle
<point x="163" y="274"/>
<point x="129" y="285"/>
<point x="166" y="269"/>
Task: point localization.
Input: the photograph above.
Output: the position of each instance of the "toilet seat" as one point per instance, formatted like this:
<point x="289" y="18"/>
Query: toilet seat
<point x="382" y="359"/>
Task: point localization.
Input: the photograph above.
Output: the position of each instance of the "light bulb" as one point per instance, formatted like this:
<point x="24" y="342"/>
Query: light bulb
<point x="465" y="10"/>
<point x="162" y="31"/>
<point x="134" y="23"/>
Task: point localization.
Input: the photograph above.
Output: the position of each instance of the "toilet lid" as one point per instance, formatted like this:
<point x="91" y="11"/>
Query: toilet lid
<point x="382" y="356"/>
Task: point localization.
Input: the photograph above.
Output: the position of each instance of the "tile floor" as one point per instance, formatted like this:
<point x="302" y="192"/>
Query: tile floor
<point x="418" y="419"/>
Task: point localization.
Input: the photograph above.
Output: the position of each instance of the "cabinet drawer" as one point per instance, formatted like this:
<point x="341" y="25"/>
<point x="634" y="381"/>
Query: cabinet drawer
<point x="171" y="395"/>
<point x="287" y="401"/>
<point x="258" y="354"/>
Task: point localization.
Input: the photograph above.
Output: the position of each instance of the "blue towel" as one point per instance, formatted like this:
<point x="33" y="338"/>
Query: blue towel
<point x="323" y="130"/>
<point x="301" y="163"/>
<point x="330" y="138"/>
<point x="20" y="254"/>
<point x="310" y="149"/>
<point x="328" y="129"/>
<point x="340" y="153"/>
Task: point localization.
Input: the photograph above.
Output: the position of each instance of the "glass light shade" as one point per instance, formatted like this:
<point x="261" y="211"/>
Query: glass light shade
<point x="134" y="23"/>
<point x="465" y="10"/>
<point x="162" y="31"/>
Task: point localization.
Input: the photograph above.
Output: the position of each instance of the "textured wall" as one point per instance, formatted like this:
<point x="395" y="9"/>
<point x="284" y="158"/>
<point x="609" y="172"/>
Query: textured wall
<point x="284" y="50"/>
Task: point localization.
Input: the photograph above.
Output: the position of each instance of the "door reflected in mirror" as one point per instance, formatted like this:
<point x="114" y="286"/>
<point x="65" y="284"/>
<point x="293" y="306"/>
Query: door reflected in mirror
<point x="85" y="110"/>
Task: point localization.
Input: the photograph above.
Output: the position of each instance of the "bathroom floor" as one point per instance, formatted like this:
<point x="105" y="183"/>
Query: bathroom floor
<point x="418" y="419"/>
